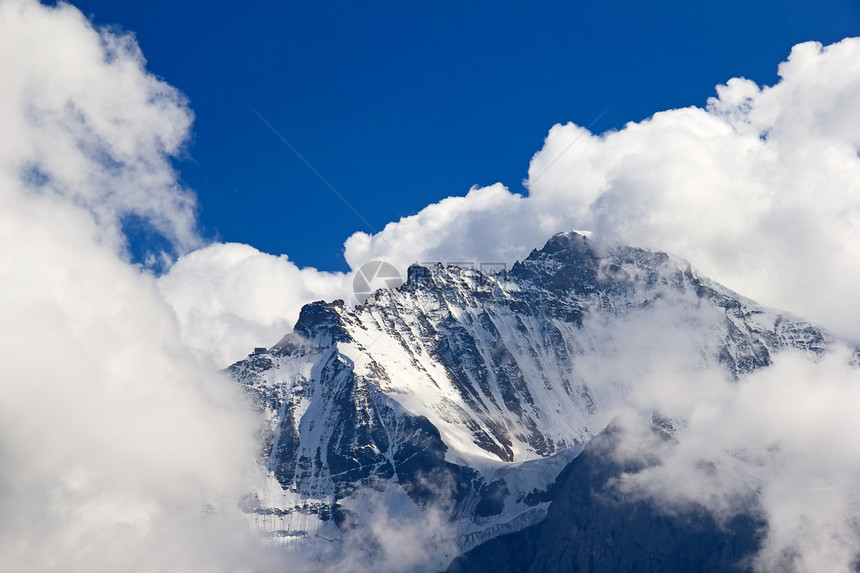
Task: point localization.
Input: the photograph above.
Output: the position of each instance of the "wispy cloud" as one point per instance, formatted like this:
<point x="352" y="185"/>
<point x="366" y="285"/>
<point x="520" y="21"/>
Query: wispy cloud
<point x="780" y="442"/>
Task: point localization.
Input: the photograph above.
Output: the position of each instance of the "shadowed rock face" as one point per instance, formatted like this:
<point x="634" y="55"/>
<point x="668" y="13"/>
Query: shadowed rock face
<point x="448" y="384"/>
<point x="593" y="527"/>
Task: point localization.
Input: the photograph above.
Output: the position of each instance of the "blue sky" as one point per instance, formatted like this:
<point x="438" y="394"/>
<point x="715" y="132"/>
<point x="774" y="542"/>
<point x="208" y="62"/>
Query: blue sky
<point x="402" y="104"/>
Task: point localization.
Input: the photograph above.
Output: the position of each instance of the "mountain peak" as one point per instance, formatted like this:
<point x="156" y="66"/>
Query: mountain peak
<point x="467" y="390"/>
<point x="570" y="241"/>
<point x="320" y="323"/>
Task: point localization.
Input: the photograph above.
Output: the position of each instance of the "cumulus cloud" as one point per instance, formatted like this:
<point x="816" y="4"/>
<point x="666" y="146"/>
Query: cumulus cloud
<point x="387" y="533"/>
<point x="760" y="189"/>
<point x="84" y="121"/>
<point x="229" y="298"/>
<point x="478" y="227"/>
<point x="794" y="426"/>
<point x="120" y="451"/>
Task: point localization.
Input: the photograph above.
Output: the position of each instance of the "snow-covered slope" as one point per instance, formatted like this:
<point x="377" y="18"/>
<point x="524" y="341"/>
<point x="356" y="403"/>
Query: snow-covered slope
<point x="466" y="391"/>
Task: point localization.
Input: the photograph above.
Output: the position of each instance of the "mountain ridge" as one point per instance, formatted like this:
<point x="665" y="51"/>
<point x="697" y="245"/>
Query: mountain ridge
<point x="466" y="390"/>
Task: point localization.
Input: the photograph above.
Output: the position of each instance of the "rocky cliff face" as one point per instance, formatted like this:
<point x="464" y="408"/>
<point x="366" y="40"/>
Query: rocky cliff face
<point x="465" y="389"/>
<point x="593" y="526"/>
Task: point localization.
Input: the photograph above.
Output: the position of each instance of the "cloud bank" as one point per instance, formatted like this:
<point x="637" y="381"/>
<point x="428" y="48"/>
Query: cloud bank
<point x="84" y="122"/>
<point x="120" y="451"/>
<point x="229" y="298"/>
<point x="760" y="189"/>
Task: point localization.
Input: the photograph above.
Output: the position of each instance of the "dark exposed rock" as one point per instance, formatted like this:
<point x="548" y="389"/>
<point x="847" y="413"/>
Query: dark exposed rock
<point x="318" y="322"/>
<point x="593" y="526"/>
<point x="492" y="498"/>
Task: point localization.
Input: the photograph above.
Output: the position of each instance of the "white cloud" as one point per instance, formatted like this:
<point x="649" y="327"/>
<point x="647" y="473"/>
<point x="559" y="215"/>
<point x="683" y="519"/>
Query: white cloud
<point x="230" y="298"/>
<point x="83" y="120"/>
<point x="120" y="451"/>
<point x="473" y="228"/>
<point x="782" y="441"/>
<point x="760" y="190"/>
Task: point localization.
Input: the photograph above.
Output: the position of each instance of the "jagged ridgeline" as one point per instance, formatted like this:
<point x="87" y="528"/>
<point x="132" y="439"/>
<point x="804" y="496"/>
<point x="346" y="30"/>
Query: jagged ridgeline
<point x="463" y="390"/>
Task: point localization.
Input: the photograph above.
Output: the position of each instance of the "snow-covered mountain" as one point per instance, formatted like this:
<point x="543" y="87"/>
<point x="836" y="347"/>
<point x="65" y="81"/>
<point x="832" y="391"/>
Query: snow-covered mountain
<point x="466" y="393"/>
